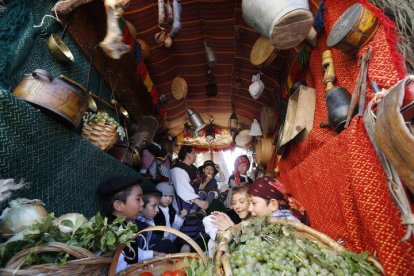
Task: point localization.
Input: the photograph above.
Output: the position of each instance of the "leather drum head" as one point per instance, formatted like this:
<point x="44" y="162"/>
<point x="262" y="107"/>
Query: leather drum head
<point x="262" y="52"/>
<point x="243" y="138"/>
<point x="179" y="88"/>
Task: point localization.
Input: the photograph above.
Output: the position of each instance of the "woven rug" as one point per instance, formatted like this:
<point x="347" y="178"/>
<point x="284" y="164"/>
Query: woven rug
<point x="350" y="199"/>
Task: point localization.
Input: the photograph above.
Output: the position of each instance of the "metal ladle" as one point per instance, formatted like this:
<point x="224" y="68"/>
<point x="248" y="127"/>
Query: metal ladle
<point x="58" y="48"/>
<point x="91" y="102"/>
<point x="115" y="103"/>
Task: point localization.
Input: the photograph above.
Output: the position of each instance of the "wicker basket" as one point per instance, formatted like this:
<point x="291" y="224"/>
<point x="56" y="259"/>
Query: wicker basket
<point x="86" y="263"/>
<point x="102" y="135"/>
<point x="222" y="264"/>
<point x="158" y="265"/>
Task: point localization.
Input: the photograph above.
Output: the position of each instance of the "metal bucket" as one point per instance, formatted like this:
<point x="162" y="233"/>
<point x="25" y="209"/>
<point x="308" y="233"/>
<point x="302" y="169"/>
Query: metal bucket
<point x="285" y="23"/>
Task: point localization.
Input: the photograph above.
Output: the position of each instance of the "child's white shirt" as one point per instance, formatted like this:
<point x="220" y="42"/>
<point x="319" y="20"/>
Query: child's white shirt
<point x="177" y="223"/>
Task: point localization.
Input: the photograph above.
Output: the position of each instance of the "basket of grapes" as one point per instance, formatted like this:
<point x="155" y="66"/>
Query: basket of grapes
<point x="101" y="130"/>
<point x="270" y="246"/>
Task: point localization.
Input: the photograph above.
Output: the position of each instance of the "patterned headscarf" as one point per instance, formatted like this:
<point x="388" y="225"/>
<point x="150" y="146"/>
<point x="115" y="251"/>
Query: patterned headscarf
<point x="268" y="188"/>
<point x="240" y="160"/>
<point x="271" y="188"/>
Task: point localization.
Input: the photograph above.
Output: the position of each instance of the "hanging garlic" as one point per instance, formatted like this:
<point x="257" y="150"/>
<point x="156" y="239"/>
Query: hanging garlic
<point x="21" y="214"/>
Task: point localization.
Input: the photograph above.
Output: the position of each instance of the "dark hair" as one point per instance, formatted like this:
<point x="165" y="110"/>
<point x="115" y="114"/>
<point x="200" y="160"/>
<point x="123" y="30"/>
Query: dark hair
<point x="147" y="197"/>
<point x="108" y="201"/>
<point x="283" y="204"/>
<point x="183" y="151"/>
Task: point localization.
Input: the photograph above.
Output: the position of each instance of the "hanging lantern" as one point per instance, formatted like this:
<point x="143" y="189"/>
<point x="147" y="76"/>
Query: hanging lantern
<point x="211" y="57"/>
<point x="210" y="131"/>
<point x="233" y="121"/>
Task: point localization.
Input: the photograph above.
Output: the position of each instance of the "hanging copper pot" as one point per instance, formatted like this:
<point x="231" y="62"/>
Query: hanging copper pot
<point x="63" y="96"/>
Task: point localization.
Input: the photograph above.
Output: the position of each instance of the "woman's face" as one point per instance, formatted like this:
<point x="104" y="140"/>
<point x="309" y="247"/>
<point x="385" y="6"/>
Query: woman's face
<point x="242" y="168"/>
<point x="240" y="204"/>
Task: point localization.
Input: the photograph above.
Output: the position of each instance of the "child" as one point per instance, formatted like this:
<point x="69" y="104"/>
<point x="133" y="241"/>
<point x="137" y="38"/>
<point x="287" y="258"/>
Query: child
<point x="241" y="166"/>
<point x="152" y="240"/>
<point x="122" y="196"/>
<point x="168" y="216"/>
<point x="268" y="198"/>
<point x="218" y="222"/>
<point x="208" y="188"/>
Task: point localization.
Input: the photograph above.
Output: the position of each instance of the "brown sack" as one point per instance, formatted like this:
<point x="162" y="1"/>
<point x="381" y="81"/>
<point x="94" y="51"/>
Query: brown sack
<point x="393" y="136"/>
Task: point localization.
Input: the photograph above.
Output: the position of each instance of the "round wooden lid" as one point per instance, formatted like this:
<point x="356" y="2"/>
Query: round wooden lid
<point x="262" y="50"/>
<point x="179" y="88"/>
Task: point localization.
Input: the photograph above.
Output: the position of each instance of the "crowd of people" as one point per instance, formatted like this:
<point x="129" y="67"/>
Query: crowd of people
<point x="192" y="203"/>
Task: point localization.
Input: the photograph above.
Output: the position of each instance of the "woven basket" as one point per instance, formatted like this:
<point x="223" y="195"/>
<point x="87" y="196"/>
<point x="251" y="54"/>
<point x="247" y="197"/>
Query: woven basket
<point x="102" y="135"/>
<point x="222" y="263"/>
<point x="86" y="263"/>
<point x="158" y="265"/>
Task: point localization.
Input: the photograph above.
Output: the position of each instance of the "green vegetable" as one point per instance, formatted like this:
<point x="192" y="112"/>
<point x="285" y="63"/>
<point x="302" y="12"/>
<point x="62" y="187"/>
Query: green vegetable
<point x="198" y="268"/>
<point x="96" y="235"/>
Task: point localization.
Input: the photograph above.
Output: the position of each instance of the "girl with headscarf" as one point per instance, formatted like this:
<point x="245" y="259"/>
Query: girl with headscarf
<point x="239" y="176"/>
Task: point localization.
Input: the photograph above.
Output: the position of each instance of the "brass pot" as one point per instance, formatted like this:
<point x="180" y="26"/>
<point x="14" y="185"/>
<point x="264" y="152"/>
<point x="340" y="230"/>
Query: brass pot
<point x="59" y="50"/>
<point x="55" y="94"/>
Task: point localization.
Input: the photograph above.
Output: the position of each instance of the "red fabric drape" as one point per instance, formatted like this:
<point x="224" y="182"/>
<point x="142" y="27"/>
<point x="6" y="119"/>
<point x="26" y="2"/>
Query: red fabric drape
<point x="349" y="198"/>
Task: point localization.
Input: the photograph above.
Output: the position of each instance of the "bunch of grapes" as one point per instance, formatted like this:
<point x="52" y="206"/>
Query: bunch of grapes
<point x="99" y="117"/>
<point x="290" y="255"/>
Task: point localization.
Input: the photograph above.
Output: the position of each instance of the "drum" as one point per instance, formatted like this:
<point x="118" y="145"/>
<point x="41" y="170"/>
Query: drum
<point x="263" y="52"/>
<point x="268" y="119"/>
<point x="353" y="30"/>
<point x="179" y="88"/>
<point x="243" y="138"/>
<point x="264" y="151"/>
<point x="285" y="23"/>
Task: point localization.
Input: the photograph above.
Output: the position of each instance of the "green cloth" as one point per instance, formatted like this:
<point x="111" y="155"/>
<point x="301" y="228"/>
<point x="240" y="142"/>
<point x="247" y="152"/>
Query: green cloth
<point x="64" y="170"/>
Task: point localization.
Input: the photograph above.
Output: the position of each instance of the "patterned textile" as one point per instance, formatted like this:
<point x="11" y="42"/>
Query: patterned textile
<point x="64" y="170"/>
<point x="349" y="198"/>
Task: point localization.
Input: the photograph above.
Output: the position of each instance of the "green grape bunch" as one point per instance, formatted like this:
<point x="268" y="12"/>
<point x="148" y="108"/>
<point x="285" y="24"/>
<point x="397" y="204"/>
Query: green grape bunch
<point x="276" y="250"/>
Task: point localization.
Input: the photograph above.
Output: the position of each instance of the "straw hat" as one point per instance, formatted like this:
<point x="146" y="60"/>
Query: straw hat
<point x="263" y="52"/>
<point x="243" y="138"/>
<point x="179" y="88"/>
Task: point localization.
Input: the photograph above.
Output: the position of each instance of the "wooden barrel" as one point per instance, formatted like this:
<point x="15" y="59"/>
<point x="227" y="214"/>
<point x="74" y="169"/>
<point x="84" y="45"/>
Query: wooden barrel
<point x="285" y="23"/>
<point x="268" y="119"/>
<point x="355" y="28"/>
<point x="263" y="52"/>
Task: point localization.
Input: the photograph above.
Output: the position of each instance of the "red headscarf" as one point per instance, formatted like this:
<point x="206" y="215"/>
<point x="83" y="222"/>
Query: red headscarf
<point x="240" y="160"/>
<point x="270" y="188"/>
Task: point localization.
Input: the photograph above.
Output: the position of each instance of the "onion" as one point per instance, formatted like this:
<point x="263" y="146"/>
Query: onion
<point x="70" y="222"/>
<point x="21" y="214"/>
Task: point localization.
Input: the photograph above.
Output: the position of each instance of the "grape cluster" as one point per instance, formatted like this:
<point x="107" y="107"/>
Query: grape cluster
<point x="100" y="116"/>
<point x="287" y="255"/>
